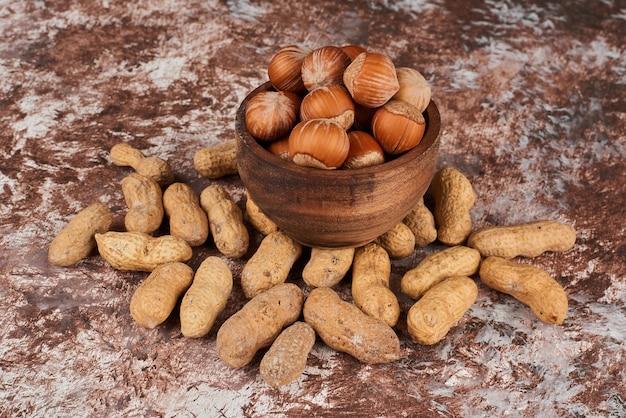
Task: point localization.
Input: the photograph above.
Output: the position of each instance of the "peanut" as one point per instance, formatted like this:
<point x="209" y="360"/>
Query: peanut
<point x="206" y="298"/>
<point x="217" y="161"/>
<point x="527" y="240"/>
<point x="144" y="199"/>
<point x="154" y="168"/>
<point x="430" y="319"/>
<point x="529" y="284"/>
<point x="345" y="328"/>
<point x="399" y="241"/>
<point x="454" y="197"/>
<point x="258" y="219"/>
<point x="286" y="359"/>
<point x="76" y="239"/>
<point x="258" y="324"/>
<point x="155" y="298"/>
<point x="225" y="221"/>
<point x="453" y="261"/>
<point x="270" y="264"/>
<point x="137" y="251"/>
<point x="422" y="223"/>
<point x="371" y="270"/>
<point x="187" y="218"/>
<point x="327" y="267"/>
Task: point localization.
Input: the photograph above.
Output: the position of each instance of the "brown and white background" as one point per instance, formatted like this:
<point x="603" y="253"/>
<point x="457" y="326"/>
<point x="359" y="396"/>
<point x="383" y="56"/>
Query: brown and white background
<point x="533" y="102"/>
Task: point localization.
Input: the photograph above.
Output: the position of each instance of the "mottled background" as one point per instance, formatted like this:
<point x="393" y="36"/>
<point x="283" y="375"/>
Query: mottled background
<point x="533" y="102"/>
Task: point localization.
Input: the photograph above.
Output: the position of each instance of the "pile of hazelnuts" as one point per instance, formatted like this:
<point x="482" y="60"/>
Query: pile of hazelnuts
<point x="338" y="107"/>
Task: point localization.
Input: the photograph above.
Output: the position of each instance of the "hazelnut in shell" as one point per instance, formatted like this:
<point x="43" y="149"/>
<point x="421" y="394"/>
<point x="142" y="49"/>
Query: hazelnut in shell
<point x="320" y="143"/>
<point x="328" y="102"/>
<point x="353" y="50"/>
<point x="280" y="148"/>
<point x="398" y="126"/>
<point x="284" y="69"/>
<point x="371" y="79"/>
<point x="324" y="67"/>
<point x="272" y="114"/>
<point x="414" y="88"/>
<point x="365" y="151"/>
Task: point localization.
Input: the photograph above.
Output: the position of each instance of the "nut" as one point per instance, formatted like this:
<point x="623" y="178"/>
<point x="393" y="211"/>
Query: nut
<point x="280" y="148"/>
<point x="398" y="126"/>
<point x="399" y="241"/>
<point x="217" y="161"/>
<point x="436" y="267"/>
<point x="320" y="143"/>
<point x="284" y="69"/>
<point x="144" y="199"/>
<point x="152" y="167"/>
<point x="76" y="240"/>
<point x="344" y="327"/>
<point x="270" y="264"/>
<point x="258" y="218"/>
<point x="364" y="151"/>
<point x="353" y="51"/>
<point x="327" y="267"/>
<point x="371" y="270"/>
<point x="155" y="298"/>
<point x="422" y="222"/>
<point x="528" y="284"/>
<point x="442" y="307"/>
<point x="137" y="251"/>
<point x="272" y="114"/>
<point x="206" y="298"/>
<point x="186" y="217"/>
<point x="454" y="197"/>
<point x="324" y="67"/>
<point x="414" y="89"/>
<point x="258" y="323"/>
<point x="371" y="79"/>
<point x="527" y="240"/>
<point x="285" y="360"/>
<point x="230" y="234"/>
<point x="328" y="102"/>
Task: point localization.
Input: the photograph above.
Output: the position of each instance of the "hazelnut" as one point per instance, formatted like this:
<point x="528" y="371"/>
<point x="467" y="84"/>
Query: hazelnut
<point x="398" y="126"/>
<point x="328" y="102"/>
<point x="324" y="67"/>
<point x="272" y="114"/>
<point x="280" y="148"/>
<point x="320" y="143"/>
<point x="414" y="88"/>
<point x="371" y="79"/>
<point x="352" y="50"/>
<point x="284" y="69"/>
<point x="365" y="151"/>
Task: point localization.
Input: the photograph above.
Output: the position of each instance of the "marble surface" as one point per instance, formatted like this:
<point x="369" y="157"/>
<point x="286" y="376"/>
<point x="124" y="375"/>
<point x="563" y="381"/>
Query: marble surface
<point x="533" y="103"/>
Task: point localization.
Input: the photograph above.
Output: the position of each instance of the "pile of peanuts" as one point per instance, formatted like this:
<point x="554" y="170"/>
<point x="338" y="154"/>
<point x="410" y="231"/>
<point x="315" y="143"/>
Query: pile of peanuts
<point x="364" y="328"/>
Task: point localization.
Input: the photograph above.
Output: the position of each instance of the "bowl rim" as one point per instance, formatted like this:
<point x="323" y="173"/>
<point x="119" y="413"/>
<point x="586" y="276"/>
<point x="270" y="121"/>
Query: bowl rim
<point x="431" y="134"/>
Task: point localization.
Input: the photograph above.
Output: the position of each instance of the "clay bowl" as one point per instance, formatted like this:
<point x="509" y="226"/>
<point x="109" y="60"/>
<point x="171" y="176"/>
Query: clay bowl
<point x="336" y="208"/>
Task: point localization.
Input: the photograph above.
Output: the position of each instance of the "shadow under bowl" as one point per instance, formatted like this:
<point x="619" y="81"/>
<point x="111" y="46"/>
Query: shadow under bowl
<point x="336" y="208"/>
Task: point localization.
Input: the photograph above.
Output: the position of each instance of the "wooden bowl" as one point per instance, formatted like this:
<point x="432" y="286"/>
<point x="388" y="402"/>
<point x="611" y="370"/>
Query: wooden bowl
<point x="336" y="208"/>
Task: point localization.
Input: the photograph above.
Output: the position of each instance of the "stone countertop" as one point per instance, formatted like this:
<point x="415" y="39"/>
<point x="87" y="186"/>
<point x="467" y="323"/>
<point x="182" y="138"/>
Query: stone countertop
<point x="533" y="103"/>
